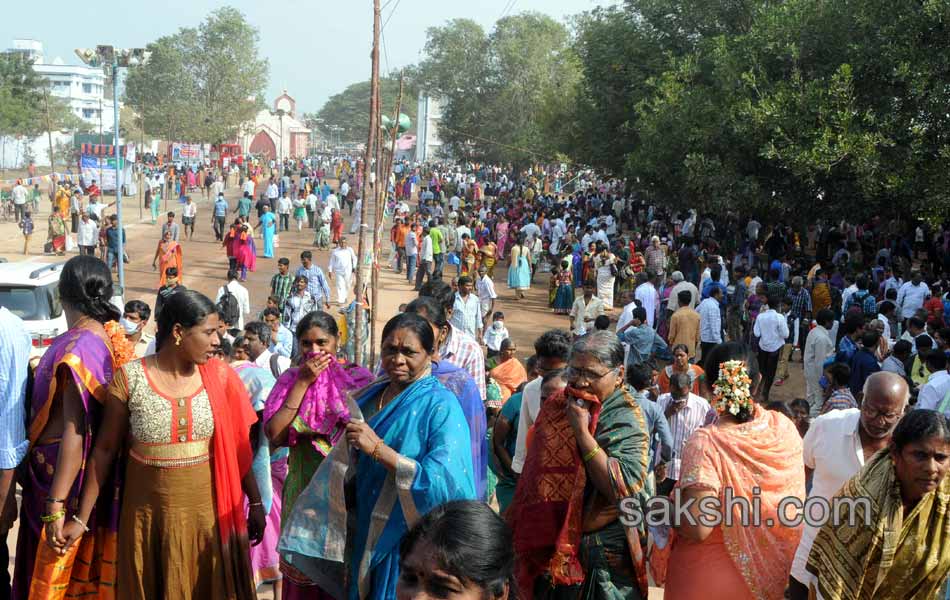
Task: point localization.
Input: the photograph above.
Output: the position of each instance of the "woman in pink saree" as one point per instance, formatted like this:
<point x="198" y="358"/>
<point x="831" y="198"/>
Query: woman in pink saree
<point x="501" y="234"/>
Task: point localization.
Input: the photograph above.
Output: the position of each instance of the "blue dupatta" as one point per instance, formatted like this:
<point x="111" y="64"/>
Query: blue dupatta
<point x="460" y="382"/>
<point x="347" y="523"/>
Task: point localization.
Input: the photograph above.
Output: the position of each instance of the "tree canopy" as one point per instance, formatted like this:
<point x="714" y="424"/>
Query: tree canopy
<point x="350" y="108"/>
<point x="24" y="96"/>
<point x="201" y="84"/>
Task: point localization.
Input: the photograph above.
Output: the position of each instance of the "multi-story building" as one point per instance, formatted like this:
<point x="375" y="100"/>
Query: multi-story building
<point x="429" y="116"/>
<point x="82" y="87"/>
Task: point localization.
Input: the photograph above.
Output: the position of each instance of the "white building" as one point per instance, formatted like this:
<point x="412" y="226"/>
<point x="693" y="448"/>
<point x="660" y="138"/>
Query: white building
<point x="80" y="86"/>
<point x="428" y="142"/>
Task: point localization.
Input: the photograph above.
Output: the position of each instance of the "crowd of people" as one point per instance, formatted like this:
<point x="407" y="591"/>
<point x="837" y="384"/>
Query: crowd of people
<point x="232" y="450"/>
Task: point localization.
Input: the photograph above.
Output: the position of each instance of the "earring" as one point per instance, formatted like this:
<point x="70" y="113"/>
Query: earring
<point x="178" y="340"/>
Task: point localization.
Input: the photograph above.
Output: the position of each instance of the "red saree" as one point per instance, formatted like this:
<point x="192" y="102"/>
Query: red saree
<point x="547" y="513"/>
<point x="231" y="460"/>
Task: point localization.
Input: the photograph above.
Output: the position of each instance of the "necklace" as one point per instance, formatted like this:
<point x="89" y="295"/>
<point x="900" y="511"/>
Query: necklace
<point x="383" y="400"/>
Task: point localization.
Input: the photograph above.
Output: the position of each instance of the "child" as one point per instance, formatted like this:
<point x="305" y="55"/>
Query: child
<point x="495" y="334"/>
<point x="26" y="226"/>
<point x="272" y="302"/>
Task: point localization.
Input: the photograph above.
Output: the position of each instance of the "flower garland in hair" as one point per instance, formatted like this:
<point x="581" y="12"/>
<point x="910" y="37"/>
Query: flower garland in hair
<point x="122" y="349"/>
<point x="732" y="391"/>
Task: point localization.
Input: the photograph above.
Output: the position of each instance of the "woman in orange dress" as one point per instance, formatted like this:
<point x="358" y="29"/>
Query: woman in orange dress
<point x="509" y="373"/>
<point x="167" y="254"/>
<point x="733" y="561"/>
<point x="681" y="365"/>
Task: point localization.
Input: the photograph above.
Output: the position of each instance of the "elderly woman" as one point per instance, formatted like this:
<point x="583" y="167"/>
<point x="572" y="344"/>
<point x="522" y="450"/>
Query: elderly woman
<point x="406" y="450"/>
<point x="897" y="545"/>
<point x="731" y="561"/>
<point x="569" y="534"/>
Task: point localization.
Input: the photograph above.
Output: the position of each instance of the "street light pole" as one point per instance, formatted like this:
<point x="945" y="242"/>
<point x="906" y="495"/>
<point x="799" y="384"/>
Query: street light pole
<point x="118" y="171"/>
<point x="111" y="57"/>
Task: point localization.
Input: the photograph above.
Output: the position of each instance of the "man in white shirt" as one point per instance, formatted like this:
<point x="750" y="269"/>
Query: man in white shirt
<point x="19" y="194"/>
<point x="344" y="189"/>
<point x="836" y="447"/>
<point x="240" y="294"/>
<point x="679" y="284"/>
<point x="553" y="350"/>
<point x="819" y="345"/>
<point x="425" y="259"/>
<point x="257" y="337"/>
<point x="531" y="232"/>
<point x="647" y="295"/>
<point x="710" y="322"/>
<point x="585" y="311"/>
<point x="87" y="235"/>
<point x="467" y="313"/>
<point x="273" y="193"/>
<point x="412" y="254"/>
<point x="342" y="264"/>
<point x="937" y="389"/>
<point x="189" y="213"/>
<point x="911" y="295"/>
<point x="284" y="208"/>
<point x="248" y="187"/>
<point x="771" y="327"/>
<point x="485" y="288"/>
<point x="333" y="202"/>
<point x="217" y="187"/>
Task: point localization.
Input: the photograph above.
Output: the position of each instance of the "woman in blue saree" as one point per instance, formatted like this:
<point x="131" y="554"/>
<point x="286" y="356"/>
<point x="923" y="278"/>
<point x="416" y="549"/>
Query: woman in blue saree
<point x="268" y="227"/>
<point x="406" y="450"/>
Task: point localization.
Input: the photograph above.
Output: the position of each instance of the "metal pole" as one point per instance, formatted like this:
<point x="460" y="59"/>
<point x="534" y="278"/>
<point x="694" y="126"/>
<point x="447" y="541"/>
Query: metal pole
<point x="118" y="173"/>
<point x="49" y="134"/>
<point x="99" y="157"/>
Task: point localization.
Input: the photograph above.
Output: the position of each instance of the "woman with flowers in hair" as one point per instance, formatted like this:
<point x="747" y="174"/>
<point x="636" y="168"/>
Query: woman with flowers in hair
<point x="750" y="453"/>
<point x="65" y="416"/>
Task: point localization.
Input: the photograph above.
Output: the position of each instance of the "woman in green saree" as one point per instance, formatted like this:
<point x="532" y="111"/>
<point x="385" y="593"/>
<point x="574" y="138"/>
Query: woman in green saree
<point x="896" y="544"/>
<point x="566" y="517"/>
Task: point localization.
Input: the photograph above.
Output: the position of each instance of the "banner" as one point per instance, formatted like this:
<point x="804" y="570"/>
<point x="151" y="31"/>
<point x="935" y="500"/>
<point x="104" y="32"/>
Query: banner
<point x="186" y="152"/>
<point x="91" y="165"/>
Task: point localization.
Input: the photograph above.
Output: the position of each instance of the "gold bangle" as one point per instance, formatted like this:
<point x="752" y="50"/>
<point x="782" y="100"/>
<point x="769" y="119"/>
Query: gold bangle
<point x="592" y="454"/>
<point x="379" y="443"/>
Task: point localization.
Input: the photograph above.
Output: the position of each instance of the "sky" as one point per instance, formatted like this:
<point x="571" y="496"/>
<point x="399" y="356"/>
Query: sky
<point x="315" y="47"/>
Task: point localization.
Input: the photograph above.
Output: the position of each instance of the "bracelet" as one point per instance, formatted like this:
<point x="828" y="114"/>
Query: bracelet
<point x="592" y="454"/>
<point x="379" y="443"/>
<point x="253" y="504"/>
<point x="56" y="516"/>
<point x="81" y="523"/>
<point x="51" y="500"/>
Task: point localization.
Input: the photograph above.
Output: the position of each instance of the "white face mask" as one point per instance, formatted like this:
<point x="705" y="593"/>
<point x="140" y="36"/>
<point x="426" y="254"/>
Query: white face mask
<point x="129" y="327"/>
<point x="498" y="324"/>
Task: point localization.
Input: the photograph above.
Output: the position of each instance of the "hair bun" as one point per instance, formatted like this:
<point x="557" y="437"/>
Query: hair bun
<point x="97" y="289"/>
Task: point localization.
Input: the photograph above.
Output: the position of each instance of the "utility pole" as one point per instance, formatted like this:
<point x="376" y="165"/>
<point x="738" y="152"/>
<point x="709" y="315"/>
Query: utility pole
<point x="363" y="255"/>
<point x="49" y="134"/>
<point x="382" y="191"/>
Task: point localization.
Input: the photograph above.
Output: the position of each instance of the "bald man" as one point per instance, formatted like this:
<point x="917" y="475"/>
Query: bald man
<point x="837" y="445"/>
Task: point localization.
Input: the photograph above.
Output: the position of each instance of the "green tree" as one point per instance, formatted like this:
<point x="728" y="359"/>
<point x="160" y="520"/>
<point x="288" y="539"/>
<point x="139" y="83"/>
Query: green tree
<point x="504" y="95"/>
<point x="200" y="84"/>
<point x="350" y="108"/>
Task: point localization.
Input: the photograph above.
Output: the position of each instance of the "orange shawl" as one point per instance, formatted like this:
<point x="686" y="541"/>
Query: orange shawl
<point x="547" y="513"/>
<point x="509" y="375"/>
<point x="170" y="257"/>
<point x="719" y="459"/>
<point x="231" y="460"/>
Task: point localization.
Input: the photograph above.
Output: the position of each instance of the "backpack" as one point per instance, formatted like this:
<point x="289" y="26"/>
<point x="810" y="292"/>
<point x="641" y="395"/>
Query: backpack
<point x="228" y="306"/>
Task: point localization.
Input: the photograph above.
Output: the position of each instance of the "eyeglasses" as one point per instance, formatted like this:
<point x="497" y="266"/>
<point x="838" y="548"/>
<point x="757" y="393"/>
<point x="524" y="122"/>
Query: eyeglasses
<point x="876" y="414"/>
<point x="574" y="375"/>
